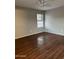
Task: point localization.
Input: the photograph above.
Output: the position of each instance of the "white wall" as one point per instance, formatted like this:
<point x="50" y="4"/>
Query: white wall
<point x="54" y="21"/>
<point x="25" y="22"/>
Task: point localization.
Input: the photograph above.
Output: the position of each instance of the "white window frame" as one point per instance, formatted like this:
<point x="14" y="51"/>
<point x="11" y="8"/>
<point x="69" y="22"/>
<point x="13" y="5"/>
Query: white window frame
<point x="40" y="22"/>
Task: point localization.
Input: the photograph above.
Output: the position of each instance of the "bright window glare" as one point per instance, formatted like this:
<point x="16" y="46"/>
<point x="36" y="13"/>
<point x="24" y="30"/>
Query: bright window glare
<point x="39" y="20"/>
<point x="40" y="24"/>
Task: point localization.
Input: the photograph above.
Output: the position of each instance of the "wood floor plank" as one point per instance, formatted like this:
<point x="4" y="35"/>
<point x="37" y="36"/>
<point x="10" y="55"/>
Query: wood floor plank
<point x="40" y="46"/>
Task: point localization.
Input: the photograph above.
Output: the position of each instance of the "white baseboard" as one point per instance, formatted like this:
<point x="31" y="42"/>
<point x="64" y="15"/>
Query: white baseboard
<point x="40" y="32"/>
<point x="56" y="33"/>
<point x="27" y="35"/>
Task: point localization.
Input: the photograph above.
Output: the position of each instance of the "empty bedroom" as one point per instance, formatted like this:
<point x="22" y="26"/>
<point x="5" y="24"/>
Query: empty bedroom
<point x="39" y="29"/>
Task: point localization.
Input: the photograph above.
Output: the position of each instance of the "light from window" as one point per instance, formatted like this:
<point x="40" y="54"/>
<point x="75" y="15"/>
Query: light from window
<point x="39" y="20"/>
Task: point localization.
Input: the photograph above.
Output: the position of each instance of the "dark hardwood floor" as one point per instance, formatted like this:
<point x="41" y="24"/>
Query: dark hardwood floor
<point x="40" y="46"/>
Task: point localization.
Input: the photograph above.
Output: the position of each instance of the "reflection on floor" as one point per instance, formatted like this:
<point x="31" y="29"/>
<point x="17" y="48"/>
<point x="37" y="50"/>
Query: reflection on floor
<point x="40" y="46"/>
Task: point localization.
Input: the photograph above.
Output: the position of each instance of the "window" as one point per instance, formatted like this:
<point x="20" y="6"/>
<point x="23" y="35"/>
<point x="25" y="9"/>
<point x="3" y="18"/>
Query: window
<point x="39" y="20"/>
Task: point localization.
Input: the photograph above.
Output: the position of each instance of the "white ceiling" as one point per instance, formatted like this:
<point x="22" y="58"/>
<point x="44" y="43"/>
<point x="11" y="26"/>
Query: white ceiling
<point x="35" y="4"/>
